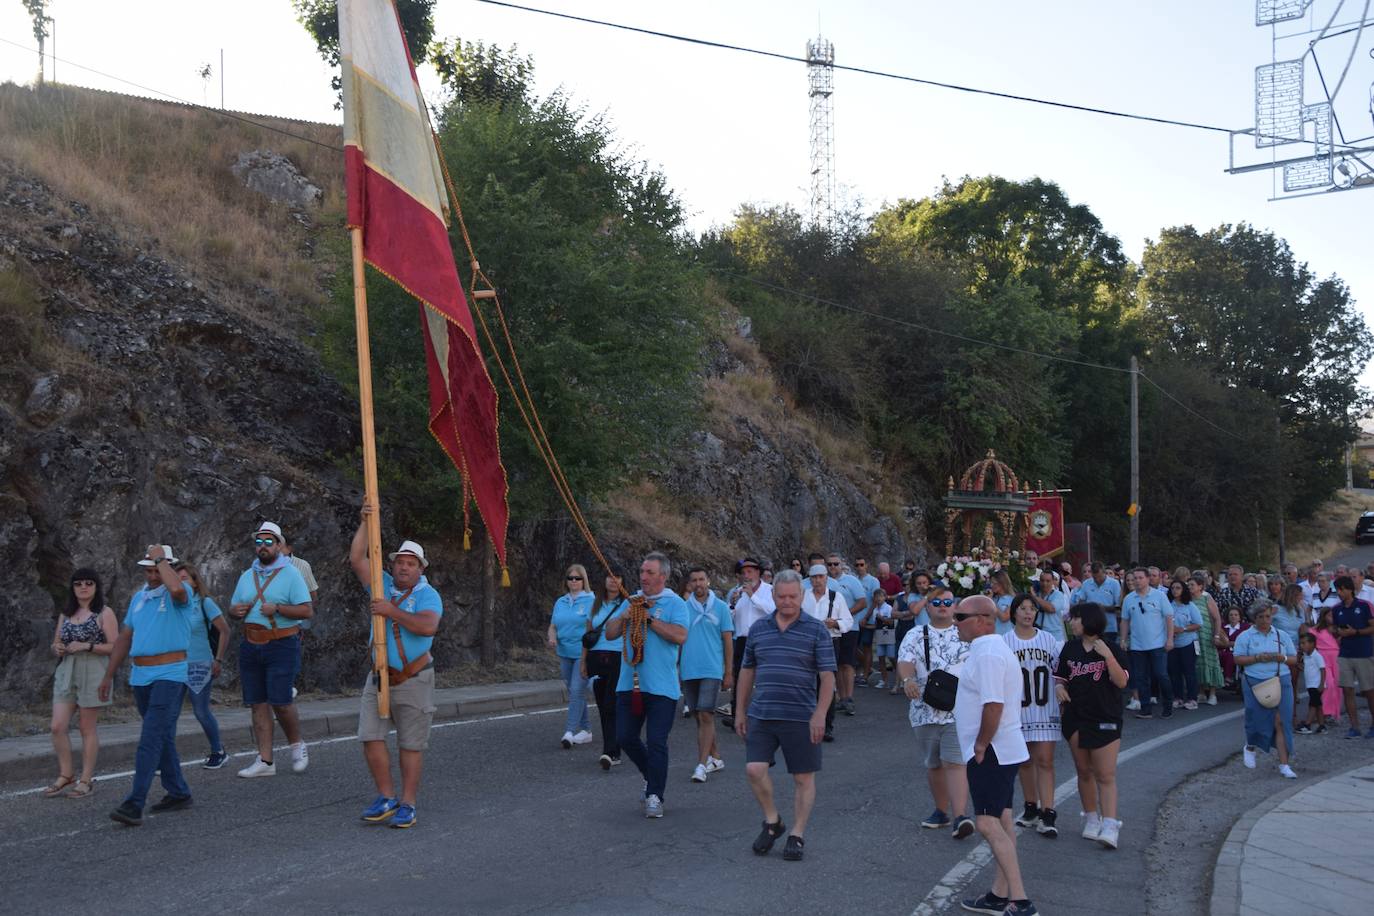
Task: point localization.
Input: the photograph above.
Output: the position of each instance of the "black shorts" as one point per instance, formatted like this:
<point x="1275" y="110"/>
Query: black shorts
<point x="847" y="649"/>
<point x="1314" y="696"/>
<point x="767" y="735"/>
<point x="1091" y="735"/>
<point x="991" y="785"/>
<point x="866" y="637"/>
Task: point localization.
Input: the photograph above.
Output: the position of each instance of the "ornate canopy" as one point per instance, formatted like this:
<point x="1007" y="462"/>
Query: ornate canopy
<point x="990" y="489"/>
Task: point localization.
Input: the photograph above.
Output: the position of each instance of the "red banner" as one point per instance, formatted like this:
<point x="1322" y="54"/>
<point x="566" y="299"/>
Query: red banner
<point x="1046" y="522"/>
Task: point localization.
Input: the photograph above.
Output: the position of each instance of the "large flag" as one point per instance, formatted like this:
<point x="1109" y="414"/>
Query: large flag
<point x="1046" y="520"/>
<point x="396" y="196"/>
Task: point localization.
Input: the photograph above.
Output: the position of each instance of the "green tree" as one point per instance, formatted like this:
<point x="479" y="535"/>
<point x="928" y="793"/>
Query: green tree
<point x="321" y="20"/>
<point x="478" y="73"/>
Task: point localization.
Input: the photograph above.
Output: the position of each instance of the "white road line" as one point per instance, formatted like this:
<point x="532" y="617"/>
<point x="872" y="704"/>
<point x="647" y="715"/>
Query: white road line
<point x="957" y="878"/>
<point x="124" y="774"/>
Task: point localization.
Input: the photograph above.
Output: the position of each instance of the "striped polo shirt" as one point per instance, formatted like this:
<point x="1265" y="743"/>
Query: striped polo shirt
<point x="786" y="664"/>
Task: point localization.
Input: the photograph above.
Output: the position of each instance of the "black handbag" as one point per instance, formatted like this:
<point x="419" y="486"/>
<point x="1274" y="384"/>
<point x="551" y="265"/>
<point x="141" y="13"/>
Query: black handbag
<point x="593" y="634"/>
<point x="941" y="686"/>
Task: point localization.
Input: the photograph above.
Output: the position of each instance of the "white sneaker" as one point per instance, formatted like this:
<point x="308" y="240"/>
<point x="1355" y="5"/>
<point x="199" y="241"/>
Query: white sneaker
<point x="1134" y="704"/>
<point x="300" y="758"/>
<point x="1287" y="772"/>
<point x="1110" y="833"/>
<point x="1212" y="700"/>
<point x="1248" y="755"/>
<point x="880" y="685"/>
<point x="258" y="768"/>
<point x="714" y="764"/>
<point x="1092" y="825"/>
<point x="566" y="740"/>
<point x="1190" y="705"/>
<point x="582" y="737"/>
<point x="699" y="774"/>
<point x="653" y="806"/>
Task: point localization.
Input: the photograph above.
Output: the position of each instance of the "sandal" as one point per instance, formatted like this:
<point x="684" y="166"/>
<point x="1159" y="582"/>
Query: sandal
<point x="59" y="786"/>
<point x="768" y="836"/>
<point x="78" y="791"/>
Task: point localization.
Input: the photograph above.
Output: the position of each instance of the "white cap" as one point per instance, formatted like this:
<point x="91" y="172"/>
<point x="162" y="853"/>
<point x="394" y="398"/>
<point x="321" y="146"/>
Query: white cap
<point x="817" y="570"/>
<point x="269" y="527"/>
<point x="414" y="550"/>
<point x="166" y="552"/>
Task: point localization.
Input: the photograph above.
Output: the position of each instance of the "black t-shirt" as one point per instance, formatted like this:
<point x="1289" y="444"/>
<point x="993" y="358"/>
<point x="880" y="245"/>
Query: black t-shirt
<point x="1092" y="695"/>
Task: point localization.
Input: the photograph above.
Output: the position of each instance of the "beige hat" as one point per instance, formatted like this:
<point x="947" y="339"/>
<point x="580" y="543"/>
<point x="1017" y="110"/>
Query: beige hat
<point x="166" y="552"/>
<point x="413" y="549"/>
<point x="270" y="528"/>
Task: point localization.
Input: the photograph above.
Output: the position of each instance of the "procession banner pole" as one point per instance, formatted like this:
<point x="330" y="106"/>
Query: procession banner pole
<point x="374" y="519"/>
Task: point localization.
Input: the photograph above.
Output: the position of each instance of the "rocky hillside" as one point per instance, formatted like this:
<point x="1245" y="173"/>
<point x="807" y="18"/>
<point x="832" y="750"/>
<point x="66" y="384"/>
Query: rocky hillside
<point x="158" y="385"/>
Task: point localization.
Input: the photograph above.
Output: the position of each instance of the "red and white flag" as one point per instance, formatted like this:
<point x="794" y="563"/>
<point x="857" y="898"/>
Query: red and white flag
<point x="396" y="196"/>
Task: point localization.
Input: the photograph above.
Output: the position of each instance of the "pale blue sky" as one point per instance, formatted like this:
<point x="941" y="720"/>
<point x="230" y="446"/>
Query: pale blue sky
<point x="728" y="128"/>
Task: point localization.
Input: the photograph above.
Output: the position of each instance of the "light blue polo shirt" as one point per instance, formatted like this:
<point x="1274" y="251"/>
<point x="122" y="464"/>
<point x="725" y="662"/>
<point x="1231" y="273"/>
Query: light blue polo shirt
<point x="609" y="611"/>
<point x="658" y="670"/>
<point x="1147" y="614"/>
<point x="570" y="622"/>
<point x="423" y="597"/>
<point x="853" y="591"/>
<point x="870" y="585"/>
<point x="1253" y="642"/>
<point x="1108" y="594"/>
<point x="286" y="587"/>
<point x="200" y="634"/>
<point x="1185" y="615"/>
<point x="1004" y="626"/>
<point x="159" y="625"/>
<point x="703" y="655"/>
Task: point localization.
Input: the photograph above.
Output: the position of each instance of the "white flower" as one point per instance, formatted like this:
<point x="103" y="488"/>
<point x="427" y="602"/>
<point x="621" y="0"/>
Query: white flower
<point x="958" y="566"/>
<point x="966" y="582"/>
<point x="941" y="570"/>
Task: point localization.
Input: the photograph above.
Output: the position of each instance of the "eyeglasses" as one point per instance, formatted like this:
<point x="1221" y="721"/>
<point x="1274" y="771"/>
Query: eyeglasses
<point x="942" y="602"/>
<point x="961" y="616"/>
<point x="264" y="542"/>
<point x="83" y="583"/>
<point x="574" y="578"/>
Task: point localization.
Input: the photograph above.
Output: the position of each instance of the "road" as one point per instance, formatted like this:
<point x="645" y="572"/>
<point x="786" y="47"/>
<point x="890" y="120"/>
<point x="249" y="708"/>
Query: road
<point x="511" y="823"/>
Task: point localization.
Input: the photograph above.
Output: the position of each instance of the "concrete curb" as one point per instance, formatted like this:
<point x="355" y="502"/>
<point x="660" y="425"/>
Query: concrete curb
<point x="33" y="757"/>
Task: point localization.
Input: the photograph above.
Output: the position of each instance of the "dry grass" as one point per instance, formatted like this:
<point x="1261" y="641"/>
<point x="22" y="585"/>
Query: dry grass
<point x="645" y="509"/>
<point x="162" y="171"/>
<point x="1330" y="530"/>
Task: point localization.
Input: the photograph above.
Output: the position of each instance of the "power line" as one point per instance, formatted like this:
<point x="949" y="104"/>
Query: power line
<point x="1225" y="432"/>
<point x="867" y="71"/>
<point x="206" y="108"/>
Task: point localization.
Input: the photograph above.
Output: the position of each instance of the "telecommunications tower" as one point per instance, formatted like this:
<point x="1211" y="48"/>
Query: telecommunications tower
<point x="820" y="80"/>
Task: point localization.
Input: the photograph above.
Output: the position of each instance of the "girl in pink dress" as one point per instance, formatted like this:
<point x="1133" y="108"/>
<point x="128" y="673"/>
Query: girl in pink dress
<point x="1329" y="648"/>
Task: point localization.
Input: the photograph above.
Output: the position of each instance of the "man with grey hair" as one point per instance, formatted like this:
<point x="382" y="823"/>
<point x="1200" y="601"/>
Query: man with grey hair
<point x="654" y="626"/>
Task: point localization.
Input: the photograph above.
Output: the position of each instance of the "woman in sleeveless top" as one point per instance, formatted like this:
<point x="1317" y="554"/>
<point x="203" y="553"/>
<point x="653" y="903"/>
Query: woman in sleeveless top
<point x="203" y="659"/>
<point x="85" y="635"/>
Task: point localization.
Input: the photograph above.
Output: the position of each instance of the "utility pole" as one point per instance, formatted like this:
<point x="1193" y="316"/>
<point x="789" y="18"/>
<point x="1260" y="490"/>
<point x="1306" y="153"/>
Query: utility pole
<point x="1135" y="460"/>
<point x="221" y="79"/>
<point x="53" y="22"/>
<point x="1282" y="488"/>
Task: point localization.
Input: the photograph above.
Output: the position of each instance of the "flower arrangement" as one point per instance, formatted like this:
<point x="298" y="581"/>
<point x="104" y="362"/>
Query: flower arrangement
<point x="970" y="575"/>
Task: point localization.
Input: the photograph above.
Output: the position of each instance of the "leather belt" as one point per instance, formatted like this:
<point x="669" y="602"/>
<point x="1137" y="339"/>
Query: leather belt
<point x="162" y="658"/>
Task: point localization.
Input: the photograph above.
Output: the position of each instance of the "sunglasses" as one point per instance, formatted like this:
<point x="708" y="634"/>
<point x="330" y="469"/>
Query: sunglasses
<point x="832" y="564"/>
<point x="961" y="616"/>
<point x="574" y="578"/>
<point x="942" y="602"/>
<point x="83" y="583"/>
<point x="264" y="542"/>
<point x="861" y="564"/>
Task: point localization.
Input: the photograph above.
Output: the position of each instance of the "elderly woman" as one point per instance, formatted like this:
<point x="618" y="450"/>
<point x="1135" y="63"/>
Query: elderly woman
<point x="1263" y="652"/>
<point x="85" y="635"/>
<point x="566" y="626"/>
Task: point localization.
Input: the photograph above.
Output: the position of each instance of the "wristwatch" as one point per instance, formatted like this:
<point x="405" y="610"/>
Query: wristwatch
<point x="906" y="680"/>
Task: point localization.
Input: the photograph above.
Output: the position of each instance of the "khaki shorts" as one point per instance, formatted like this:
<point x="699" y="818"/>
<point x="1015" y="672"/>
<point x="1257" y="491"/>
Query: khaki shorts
<point x="77" y="680"/>
<point x="412" y="711"/>
<point x="1355" y="670"/>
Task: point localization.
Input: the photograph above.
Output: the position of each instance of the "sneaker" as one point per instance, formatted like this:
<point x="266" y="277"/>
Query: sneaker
<point x="936" y="820"/>
<point x="686" y="711"/>
<point x="1303" y="730"/>
<point x="1110" y="833"/>
<point x="829" y="736"/>
<point x="768" y="836"/>
<point x="699" y="774"/>
<point x="848" y="706"/>
<point x="714" y="765"/>
<point x="653" y="806"/>
<point x="566" y="741"/>
<point x="1319" y="730"/>
<point x="794" y="850"/>
<point x="880" y="685"/>
<point x="1133" y="705"/>
<point x="582" y="737"/>
<point x="860" y="681"/>
<point x="1212" y="700"/>
<point x="1026" y="908"/>
<point x="215" y="760"/>
<point x="1190" y="705"/>
<point x="1287" y="772"/>
<point x="1352" y="733"/>
<point x="380" y="810"/>
<point x="300" y="758"/>
<point x="171" y="803"/>
<point x="1092" y="825"/>
<point x="1029" y="817"/>
<point x="606" y="761"/>
<point x="1178" y="704"/>
<point x="989" y="903"/>
<point x="963" y="828"/>
<point x="128" y="813"/>
<point x="723" y="709"/>
<point x="404" y="817"/>
<point x="1046" y="826"/>
<point x="1248" y="757"/>
<point x="258" y="768"/>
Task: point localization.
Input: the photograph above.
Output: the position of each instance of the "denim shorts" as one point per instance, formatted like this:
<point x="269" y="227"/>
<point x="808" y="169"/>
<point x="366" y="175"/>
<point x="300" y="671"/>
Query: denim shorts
<point x="700" y="694"/>
<point x="268" y="671"/>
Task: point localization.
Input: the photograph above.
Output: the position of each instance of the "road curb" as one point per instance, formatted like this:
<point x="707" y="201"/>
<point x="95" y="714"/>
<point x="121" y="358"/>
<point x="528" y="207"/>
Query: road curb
<point x="33" y="757"/>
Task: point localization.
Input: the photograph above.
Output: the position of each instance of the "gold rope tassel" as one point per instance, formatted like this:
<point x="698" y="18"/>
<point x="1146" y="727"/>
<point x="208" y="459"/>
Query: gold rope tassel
<point x="467" y="538"/>
<point x="505" y="577"/>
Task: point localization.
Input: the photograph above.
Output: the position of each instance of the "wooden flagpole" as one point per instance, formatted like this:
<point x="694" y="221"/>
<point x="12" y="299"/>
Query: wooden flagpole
<point x="374" y="519"/>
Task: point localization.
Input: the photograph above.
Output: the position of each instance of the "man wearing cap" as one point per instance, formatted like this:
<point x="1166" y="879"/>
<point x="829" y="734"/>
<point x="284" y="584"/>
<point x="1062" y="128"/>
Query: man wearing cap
<point x="412" y="609"/>
<point x="825" y="603"/>
<point x="751" y="603"/>
<point x="156" y="635"/>
<point x="271" y="599"/>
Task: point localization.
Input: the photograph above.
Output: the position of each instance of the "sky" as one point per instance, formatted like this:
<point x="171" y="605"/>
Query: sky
<point x="728" y="128"/>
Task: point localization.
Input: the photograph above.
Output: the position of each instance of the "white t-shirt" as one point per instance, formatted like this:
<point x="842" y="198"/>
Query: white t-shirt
<point x="750" y="609"/>
<point x="991" y="674"/>
<point x="821" y="608"/>
<point x="1312" y="665"/>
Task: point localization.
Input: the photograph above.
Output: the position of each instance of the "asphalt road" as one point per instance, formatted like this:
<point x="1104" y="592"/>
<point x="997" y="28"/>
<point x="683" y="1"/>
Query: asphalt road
<point x="511" y="823"/>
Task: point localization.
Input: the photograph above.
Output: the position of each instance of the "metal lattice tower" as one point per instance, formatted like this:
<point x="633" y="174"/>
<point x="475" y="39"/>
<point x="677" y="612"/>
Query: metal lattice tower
<point x="820" y="79"/>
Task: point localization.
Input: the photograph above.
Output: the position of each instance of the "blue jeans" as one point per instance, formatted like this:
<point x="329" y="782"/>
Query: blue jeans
<point x="1150" y="673"/>
<point x="1259" y="722"/>
<point x="159" y="703"/>
<point x="571" y="669"/>
<point x="200" y="705"/>
<point x="1183" y="672"/>
<point x="659" y="713"/>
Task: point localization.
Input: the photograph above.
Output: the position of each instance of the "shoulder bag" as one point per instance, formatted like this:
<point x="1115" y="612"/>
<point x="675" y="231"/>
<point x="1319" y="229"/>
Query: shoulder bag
<point x="593" y="634"/>
<point x="941" y="686"/>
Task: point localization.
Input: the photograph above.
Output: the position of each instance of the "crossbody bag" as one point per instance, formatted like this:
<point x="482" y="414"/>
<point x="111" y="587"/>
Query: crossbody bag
<point x="941" y="686"/>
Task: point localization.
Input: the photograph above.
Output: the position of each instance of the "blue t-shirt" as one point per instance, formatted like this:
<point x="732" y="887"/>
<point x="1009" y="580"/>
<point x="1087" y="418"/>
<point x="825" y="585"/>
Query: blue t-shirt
<point x="786" y="664"/>
<point x="870" y="585"/>
<point x="1253" y="642"/>
<point x="570" y="622"/>
<point x="658" y="670"/>
<point x="600" y="615"/>
<point x="703" y="655"/>
<point x="200" y="634"/>
<point x="286" y="587"/>
<point x="1185" y="615"/>
<point x="160" y="625"/>
<point x="1357" y="617"/>
<point x="1004" y="626"/>
<point x="422" y="597"/>
<point x="1288" y="621"/>
<point x="1108" y="594"/>
<point x="853" y="591"/>
<point x="1147" y="614"/>
<point x="922" y="618"/>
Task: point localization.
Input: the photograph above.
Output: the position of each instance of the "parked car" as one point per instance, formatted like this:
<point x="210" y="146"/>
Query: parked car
<point x="1364" y="528"/>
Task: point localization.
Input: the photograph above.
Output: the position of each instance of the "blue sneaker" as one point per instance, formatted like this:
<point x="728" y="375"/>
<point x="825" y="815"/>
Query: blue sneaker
<point x="380" y="810"/>
<point x="405" y="817"/>
<point x="936" y="820"/>
<point x="1353" y="733"/>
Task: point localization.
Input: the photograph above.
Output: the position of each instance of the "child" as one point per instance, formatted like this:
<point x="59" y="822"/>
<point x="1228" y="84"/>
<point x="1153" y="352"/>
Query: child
<point x="1314" y="679"/>
<point x="884" y="637"/>
<point x="1235" y="625"/>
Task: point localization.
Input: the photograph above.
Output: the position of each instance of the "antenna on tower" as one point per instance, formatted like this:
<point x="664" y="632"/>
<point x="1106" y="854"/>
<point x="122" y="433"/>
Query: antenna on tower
<point x="820" y="81"/>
